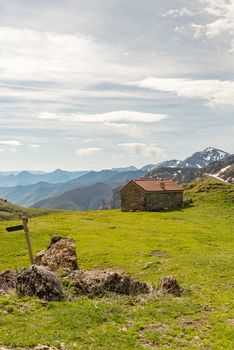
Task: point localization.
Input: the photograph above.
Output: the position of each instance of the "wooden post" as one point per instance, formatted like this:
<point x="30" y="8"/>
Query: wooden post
<point x="26" y="231"/>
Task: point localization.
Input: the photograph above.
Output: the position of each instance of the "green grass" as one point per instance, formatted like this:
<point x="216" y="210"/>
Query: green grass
<point x="197" y="245"/>
<point x="9" y="211"/>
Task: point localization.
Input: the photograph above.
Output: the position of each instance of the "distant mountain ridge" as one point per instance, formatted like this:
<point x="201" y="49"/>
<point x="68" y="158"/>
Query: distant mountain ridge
<point x="105" y="195"/>
<point x="222" y="169"/>
<point x="25" y="177"/>
<point x="57" y="192"/>
<point x="30" y="194"/>
<point x="196" y="160"/>
<point x="203" y="158"/>
<point x="173" y="163"/>
<point x="92" y="197"/>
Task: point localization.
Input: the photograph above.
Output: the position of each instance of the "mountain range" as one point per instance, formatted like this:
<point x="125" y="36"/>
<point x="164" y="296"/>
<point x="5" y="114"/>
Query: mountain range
<point x="93" y="197"/>
<point x="222" y="169"/>
<point x="196" y="160"/>
<point x="30" y="194"/>
<point x="25" y="177"/>
<point x="83" y="190"/>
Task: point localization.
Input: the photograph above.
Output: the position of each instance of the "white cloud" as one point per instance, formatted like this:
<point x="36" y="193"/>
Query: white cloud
<point x="110" y="117"/>
<point x="232" y="46"/>
<point x="217" y="27"/>
<point x="12" y="150"/>
<point x="71" y="62"/>
<point x="34" y="146"/>
<point x="88" y="152"/>
<point x="198" y="30"/>
<point x="49" y="56"/>
<point x="11" y="143"/>
<point x="179" y="13"/>
<point x="50" y="116"/>
<point x="219" y="8"/>
<point x="142" y="149"/>
<point x="215" y="92"/>
<point x="180" y="29"/>
<point x="223" y="24"/>
<point x="29" y="55"/>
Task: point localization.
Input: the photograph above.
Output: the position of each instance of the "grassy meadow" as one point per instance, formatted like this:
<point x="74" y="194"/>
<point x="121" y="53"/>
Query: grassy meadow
<point x="195" y="244"/>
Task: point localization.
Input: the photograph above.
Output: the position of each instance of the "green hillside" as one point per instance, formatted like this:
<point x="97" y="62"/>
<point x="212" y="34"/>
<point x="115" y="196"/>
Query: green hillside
<point x="211" y="192"/>
<point x="9" y="211"/>
<point x="194" y="244"/>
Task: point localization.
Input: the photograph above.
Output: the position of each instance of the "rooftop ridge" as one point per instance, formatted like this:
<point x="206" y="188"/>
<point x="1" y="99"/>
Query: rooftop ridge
<point x="148" y="179"/>
<point x="155" y="185"/>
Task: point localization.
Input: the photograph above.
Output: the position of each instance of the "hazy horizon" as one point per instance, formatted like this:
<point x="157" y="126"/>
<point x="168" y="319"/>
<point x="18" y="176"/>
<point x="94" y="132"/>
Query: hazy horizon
<point x="90" y="169"/>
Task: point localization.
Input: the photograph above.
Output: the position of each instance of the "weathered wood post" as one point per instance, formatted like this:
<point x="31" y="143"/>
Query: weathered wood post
<point x="27" y="235"/>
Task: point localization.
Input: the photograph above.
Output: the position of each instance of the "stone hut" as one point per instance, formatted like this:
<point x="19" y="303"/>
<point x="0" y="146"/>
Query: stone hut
<point x="151" y="195"/>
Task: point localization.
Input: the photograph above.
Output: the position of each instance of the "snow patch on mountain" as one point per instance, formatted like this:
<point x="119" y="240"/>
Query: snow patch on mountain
<point x="205" y="157"/>
<point x="216" y="177"/>
<point x="197" y="160"/>
<point x="173" y="163"/>
<point x="223" y="170"/>
<point x="224" y="173"/>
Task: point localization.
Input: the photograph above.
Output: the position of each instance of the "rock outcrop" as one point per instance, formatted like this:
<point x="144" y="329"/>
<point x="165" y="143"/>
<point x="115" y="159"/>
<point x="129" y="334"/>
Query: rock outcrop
<point x="61" y="254"/>
<point x="39" y="281"/>
<point x="7" y="281"/>
<point x="169" y="285"/>
<point x="99" y="282"/>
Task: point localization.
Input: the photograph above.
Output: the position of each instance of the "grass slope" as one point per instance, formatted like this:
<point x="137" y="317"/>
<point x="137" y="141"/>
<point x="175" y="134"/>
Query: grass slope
<point x="9" y="211"/>
<point x="194" y="244"/>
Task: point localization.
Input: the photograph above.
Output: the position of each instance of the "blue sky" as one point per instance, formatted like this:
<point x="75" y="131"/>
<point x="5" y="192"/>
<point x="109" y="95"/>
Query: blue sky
<point x="106" y="83"/>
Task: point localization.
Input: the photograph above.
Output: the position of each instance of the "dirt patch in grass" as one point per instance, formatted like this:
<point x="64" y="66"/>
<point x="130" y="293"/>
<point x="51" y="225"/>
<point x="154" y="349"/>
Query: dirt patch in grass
<point x="149" y="334"/>
<point x="157" y="326"/>
<point x="159" y="253"/>
<point x="194" y="323"/>
<point x="230" y="321"/>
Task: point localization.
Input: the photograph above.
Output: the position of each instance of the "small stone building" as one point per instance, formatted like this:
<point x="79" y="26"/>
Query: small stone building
<point x="151" y="195"/>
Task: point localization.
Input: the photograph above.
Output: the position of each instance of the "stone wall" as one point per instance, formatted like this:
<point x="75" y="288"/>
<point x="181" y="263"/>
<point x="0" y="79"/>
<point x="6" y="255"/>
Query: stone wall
<point x="134" y="198"/>
<point x="162" y="200"/>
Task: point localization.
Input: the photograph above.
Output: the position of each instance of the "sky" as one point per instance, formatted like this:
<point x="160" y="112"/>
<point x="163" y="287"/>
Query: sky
<point x="97" y="84"/>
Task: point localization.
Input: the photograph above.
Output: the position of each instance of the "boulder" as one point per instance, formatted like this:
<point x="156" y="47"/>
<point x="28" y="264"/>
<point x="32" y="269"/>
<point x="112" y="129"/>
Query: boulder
<point x="39" y="281"/>
<point x="61" y="254"/>
<point x="169" y="285"/>
<point x="187" y="203"/>
<point x="7" y="280"/>
<point x="98" y="282"/>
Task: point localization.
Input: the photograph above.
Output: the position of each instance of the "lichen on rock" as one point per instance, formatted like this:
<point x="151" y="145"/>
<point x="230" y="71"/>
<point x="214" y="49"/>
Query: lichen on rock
<point x="7" y="281"/>
<point x="39" y="281"/>
<point x="61" y="254"/>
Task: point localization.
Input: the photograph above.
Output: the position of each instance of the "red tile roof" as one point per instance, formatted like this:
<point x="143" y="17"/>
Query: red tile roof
<point x="152" y="185"/>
